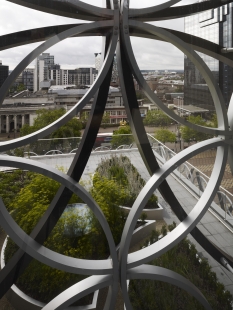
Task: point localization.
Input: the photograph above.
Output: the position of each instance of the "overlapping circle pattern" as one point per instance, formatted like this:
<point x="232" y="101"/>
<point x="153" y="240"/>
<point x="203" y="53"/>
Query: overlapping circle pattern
<point x="118" y="21"/>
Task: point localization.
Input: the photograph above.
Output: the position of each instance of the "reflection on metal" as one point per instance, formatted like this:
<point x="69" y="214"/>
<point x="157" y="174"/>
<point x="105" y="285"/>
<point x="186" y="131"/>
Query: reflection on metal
<point x="116" y="38"/>
<point x="224" y="202"/>
<point x="101" y="148"/>
<point x="124" y="147"/>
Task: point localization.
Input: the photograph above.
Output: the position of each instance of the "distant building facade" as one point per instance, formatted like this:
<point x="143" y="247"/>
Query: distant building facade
<point x="28" y="78"/>
<point x="43" y="65"/>
<point x="4" y="72"/>
<point x="115" y="75"/>
<point x="85" y="76"/>
<point x="216" y="26"/>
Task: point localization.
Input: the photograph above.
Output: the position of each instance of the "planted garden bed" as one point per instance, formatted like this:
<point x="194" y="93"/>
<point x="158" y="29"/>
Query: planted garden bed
<point x="183" y="259"/>
<point x="75" y="234"/>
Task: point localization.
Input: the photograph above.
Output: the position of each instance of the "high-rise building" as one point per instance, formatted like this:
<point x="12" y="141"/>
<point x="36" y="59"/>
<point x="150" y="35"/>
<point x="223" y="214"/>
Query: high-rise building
<point x="85" y="76"/>
<point x="4" y="72"/>
<point x="98" y="64"/>
<point x="28" y="78"/>
<point x="42" y="69"/>
<point x="216" y="26"/>
<point x="55" y="74"/>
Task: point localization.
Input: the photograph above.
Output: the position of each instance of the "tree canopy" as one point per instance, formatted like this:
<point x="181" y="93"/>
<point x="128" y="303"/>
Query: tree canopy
<point x="106" y="118"/>
<point x="123" y="135"/>
<point x="183" y="259"/>
<point x="17" y="88"/>
<point x="75" y="234"/>
<point x="157" y="118"/>
<point x="189" y="134"/>
<point x="165" y="135"/>
<point x="46" y="117"/>
<point x="120" y="170"/>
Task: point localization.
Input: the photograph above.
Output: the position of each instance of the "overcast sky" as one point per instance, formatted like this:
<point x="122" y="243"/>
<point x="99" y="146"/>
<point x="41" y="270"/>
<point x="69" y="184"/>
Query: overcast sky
<point x="79" y="52"/>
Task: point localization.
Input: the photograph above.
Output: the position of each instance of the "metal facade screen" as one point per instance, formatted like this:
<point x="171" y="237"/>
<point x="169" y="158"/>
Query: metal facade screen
<point x="116" y="22"/>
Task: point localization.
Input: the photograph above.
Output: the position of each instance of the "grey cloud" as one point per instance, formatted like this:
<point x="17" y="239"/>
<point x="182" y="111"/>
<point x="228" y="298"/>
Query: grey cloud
<point x="80" y="52"/>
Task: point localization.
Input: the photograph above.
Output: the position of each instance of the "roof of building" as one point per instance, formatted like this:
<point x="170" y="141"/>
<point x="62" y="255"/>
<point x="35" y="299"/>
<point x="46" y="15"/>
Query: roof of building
<point x="73" y="90"/>
<point x="191" y="109"/>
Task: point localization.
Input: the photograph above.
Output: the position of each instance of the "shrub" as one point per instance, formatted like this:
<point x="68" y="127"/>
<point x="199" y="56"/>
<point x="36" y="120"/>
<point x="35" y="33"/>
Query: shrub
<point x="183" y="259"/>
<point x="68" y="237"/>
<point x="75" y="234"/>
<point x="120" y="169"/>
<point x="11" y="184"/>
<point x="122" y="136"/>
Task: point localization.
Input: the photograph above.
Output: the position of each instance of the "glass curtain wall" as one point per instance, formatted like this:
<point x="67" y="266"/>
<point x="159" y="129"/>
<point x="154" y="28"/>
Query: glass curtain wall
<point x="214" y="25"/>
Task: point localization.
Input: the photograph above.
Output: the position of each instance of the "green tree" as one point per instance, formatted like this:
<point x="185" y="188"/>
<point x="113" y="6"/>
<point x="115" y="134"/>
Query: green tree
<point x="106" y="118"/>
<point x="109" y="195"/>
<point x="75" y="235"/>
<point x="84" y="118"/>
<point x="214" y="121"/>
<point x="32" y="200"/>
<point x="46" y="117"/>
<point x="17" y="88"/>
<point x="157" y="118"/>
<point x="122" y="136"/>
<point x="20" y="87"/>
<point x="183" y="259"/>
<point x="165" y="135"/>
<point x="120" y="170"/>
<point x="11" y="184"/>
<point x="140" y="95"/>
<point x="189" y="134"/>
<point x="68" y="236"/>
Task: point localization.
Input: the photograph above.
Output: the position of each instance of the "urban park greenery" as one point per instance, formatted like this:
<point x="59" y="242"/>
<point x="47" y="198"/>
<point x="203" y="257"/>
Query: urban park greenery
<point x="122" y="136"/>
<point x="79" y="235"/>
<point x="165" y="135"/>
<point x="183" y="259"/>
<point x="76" y="235"/>
<point x="45" y="117"/>
<point x="157" y="118"/>
<point x="188" y="134"/>
<point x="118" y="169"/>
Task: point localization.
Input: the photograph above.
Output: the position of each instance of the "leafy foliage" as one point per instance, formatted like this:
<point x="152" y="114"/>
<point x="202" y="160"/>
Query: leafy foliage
<point x="11" y="184"/>
<point x="188" y="134"/>
<point x="17" y="88"/>
<point x="124" y="174"/>
<point x="165" y="135"/>
<point x="157" y="118"/>
<point x="46" y="117"/>
<point x="109" y="195"/>
<point x="75" y="234"/>
<point x="106" y="118"/>
<point x="183" y="259"/>
<point x="214" y="121"/>
<point x="122" y="136"/>
<point x="27" y="207"/>
<point x="140" y="95"/>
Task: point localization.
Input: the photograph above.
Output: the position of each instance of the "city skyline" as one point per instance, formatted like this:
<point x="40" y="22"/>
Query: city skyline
<point x="151" y="55"/>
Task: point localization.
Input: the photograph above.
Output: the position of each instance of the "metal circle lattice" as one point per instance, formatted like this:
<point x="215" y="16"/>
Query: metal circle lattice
<point x="117" y="22"/>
